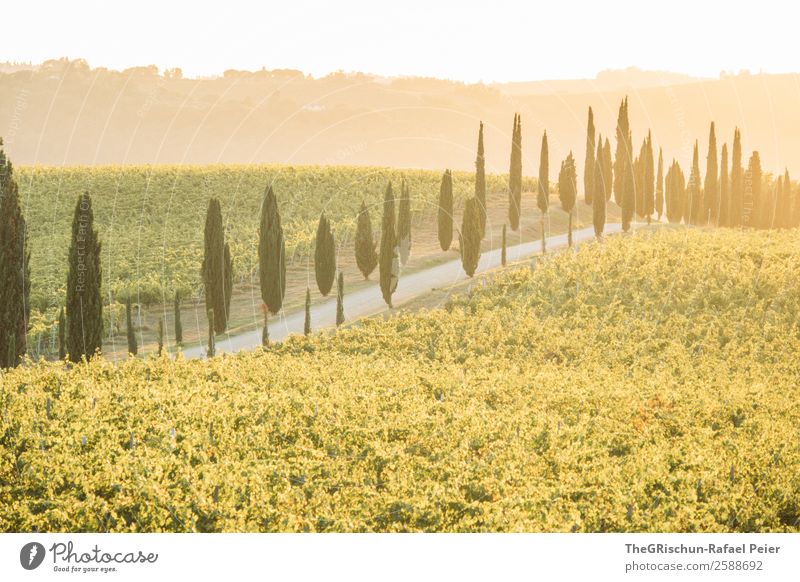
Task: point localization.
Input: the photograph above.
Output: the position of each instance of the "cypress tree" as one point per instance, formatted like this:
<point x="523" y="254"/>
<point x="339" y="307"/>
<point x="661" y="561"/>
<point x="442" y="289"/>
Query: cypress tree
<point x="638" y="175"/>
<point x="366" y="256"/>
<point x="217" y="267"/>
<point x="624" y="180"/>
<point x="588" y="163"/>
<point x="307" y="322"/>
<point x="723" y="214"/>
<point x="737" y="182"/>
<point x="340" y="299"/>
<point x="694" y="192"/>
<point x="515" y="175"/>
<point x="649" y="177"/>
<point x="786" y="218"/>
<point x="675" y="193"/>
<point x="669" y="195"/>
<point x="599" y="195"/>
<point x="178" y="324"/>
<point x="608" y="169"/>
<point x="470" y="237"/>
<point x="404" y="223"/>
<point x="567" y="191"/>
<point x="659" y="207"/>
<point x="388" y="260"/>
<point x="324" y="256"/>
<point x="271" y="254"/>
<point x="212" y="345"/>
<point x="623" y="154"/>
<point x="711" y="185"/>
<point x="160" y="336"/>
<point x="760" y="215"/>
<point x="84" y="302"/>
<point x="503" y="257"/>
<point x="682" y="196"/>
<point x="133" y="348"/>
<point x="543" y="187"/>
<point x="14" y="269"/>
<point x="445" y="215"/>
<point x="480" y="181"/>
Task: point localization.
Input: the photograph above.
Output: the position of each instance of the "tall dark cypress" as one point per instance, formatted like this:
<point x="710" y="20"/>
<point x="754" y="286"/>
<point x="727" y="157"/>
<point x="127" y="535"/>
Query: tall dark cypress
<point x="324" y="256"/>
<point x="624" y="180"/>
<point x="160" y="336"/>
<point x="404" y="223"/>
<point x="638" y="174"/>
<point x="340" y="299"/>
<point x="133" y="347"/>
<point x="271" y="254"/>
<point x="15" y="276"/>
<point x="515" y="175"/>
<point x="711" y="184"/>
<point x="659" y="201"/>
<point x="675" y="193"/>
<point x="445" y="214"/>
<point x="694" y="191"/>
<point x="307" y="322"/>
<point x="470" y="237"/>
<point x="84" y="301"/>
<point x="388" y="260"/>
<point x="755" y="214"/>
<point x="178" y="324"/>
<point x="62" y="338"/>
<point x="366" y="255"/>
<point x="649" y="179"/>
<point x="623" y="155"/>
<point x="786" y="218"/>
<point x="543" y="188"/>
<point x="568" y="191"/>
<point x="480" y="180"/>
<point x="668" y="190"/>
<point x="599" y="195"/>
<point x="737" y="182"/>
<point x="588" y="163"/>
<point x="723" y="213"/>
<point x="217" y="267"/>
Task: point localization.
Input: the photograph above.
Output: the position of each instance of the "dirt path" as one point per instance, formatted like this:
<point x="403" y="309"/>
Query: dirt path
<point x="368" y="301"/>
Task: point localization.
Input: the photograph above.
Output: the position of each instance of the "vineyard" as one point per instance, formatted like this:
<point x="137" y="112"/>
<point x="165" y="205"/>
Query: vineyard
<point x="645" y="383"/>
<point x="150" y="220"/>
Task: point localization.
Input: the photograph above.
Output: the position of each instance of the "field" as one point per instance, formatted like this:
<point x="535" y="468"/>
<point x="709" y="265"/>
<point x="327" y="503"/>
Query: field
<point x="150" y="218"/>
<point x="648" y="383"/>
<point x="150" y="221"/>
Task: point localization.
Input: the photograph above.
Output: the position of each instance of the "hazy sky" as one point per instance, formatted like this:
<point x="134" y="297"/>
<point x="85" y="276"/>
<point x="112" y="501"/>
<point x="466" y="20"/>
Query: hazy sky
<point x="492" y="40"/>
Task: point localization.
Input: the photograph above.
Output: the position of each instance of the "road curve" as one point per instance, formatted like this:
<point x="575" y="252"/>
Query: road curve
<point x="369" y="301"/>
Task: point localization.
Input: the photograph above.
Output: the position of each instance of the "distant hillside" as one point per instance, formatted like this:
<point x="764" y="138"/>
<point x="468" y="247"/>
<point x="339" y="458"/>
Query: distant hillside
<point x="630" y="78"/>
<point x="63" y="112"/>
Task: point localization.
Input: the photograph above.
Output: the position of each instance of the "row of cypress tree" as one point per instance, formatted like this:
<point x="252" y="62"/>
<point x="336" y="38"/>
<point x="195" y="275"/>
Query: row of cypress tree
<point x="732" y="196"/>
<point x="728" y="196"/>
